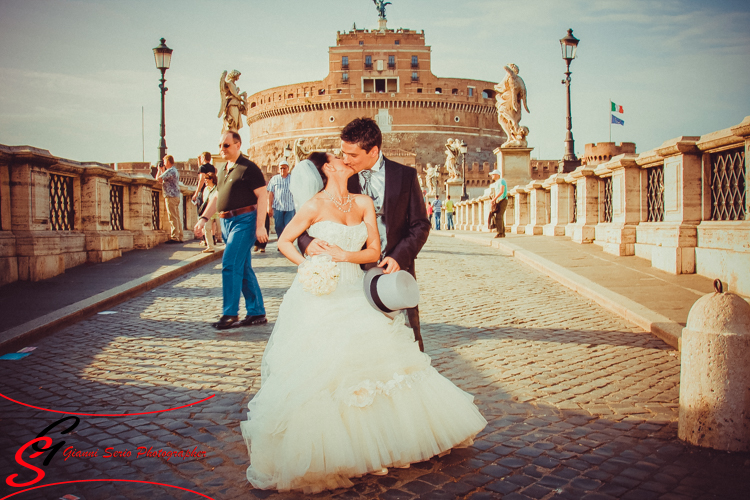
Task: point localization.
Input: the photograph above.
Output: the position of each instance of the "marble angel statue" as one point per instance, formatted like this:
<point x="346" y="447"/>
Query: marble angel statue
<point x="511" y="95"/>
<point x="233" y="104"/>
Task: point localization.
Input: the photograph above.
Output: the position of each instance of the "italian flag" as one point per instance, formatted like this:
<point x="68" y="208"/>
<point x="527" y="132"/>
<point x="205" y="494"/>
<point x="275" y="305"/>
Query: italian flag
<point x="616" y="108"/>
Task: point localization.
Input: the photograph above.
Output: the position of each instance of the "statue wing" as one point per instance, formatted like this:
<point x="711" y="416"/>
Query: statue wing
<point x="513" y="81"/>
<point x="522" y="87"/>
<point x="222" y="92"/>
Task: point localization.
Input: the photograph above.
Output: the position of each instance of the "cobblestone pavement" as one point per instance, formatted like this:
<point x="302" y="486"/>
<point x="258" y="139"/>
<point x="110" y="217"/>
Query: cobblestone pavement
<point x="580" y="403"/>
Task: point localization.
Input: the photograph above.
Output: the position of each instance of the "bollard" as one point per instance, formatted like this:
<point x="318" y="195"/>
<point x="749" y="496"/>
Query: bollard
<point x="715" y="373"/>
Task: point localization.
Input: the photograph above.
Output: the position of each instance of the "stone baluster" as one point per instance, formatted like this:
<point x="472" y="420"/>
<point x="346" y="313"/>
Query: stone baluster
<point x="102" y="244"/>
<point x="587" y="204"/>
<point x="537" y="200"/>
<point x="618" y="237"/>
<point x="521" y="212"/>
<point x="561" y="204"/>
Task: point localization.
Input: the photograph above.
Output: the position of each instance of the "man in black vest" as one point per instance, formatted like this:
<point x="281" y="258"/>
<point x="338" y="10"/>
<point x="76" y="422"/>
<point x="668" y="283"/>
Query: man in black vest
<point x="394" y="188"/>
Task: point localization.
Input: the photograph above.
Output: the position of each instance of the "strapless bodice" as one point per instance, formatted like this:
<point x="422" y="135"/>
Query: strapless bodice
<point x="349" y="238"/>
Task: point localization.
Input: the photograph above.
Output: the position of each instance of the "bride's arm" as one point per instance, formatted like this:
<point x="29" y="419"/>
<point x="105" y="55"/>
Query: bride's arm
<point x="302" y="220"/>
<point x="371" y="252"/>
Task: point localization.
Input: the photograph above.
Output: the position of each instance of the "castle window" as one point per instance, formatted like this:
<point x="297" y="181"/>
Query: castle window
<point x="471" y="91"/>
<point x="419" y="91"/>
<point x="361" y="42"/>
<point x="290" y="96"/>
<point x="488" y="94"/>
<point x="368" y="62"/>
<point x="414" y="61"/>
<point x="415" y="78"/>
<point x="398" y="42"/>
<point x="391" y="62"/>
<point x="438" y="90"/>
<point x="344" y="62"/>
<point x="454" y="92"/>
<point x="344" y="78"/>
<point x="321" y="91"/>
<point x="339" y="91"/>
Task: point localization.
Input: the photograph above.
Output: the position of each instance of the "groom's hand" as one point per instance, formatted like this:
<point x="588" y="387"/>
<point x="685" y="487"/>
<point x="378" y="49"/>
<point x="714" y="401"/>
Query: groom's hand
<point x="390" y="264"/>
<point x="316" y="247"/>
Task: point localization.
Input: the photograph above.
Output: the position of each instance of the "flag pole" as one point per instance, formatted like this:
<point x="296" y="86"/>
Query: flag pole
<point x="610" y="120"/>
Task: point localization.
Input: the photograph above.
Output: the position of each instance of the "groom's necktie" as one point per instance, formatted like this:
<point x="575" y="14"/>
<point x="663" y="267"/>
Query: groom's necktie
<point x="367" y="183"/>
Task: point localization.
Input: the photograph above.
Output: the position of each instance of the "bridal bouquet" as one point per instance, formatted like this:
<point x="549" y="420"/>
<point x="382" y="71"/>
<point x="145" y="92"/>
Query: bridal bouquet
<point x="318" y="275"/>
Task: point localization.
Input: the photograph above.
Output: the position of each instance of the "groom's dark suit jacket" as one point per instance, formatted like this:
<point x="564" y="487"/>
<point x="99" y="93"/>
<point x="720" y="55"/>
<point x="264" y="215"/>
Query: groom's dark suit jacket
<point x="406" y="224"/>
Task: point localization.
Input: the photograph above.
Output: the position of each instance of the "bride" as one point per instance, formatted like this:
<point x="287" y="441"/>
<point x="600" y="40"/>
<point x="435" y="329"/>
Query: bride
<point x="345" y="390"/>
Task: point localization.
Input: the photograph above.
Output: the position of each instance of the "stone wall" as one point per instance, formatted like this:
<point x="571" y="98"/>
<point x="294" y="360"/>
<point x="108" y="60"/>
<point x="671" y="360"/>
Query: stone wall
<point x="57" y="213"/>
<point x="684" y="206"/>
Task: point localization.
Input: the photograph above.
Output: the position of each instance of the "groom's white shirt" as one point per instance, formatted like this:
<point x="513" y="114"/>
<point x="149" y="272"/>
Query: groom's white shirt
<point x="377" y="193"/>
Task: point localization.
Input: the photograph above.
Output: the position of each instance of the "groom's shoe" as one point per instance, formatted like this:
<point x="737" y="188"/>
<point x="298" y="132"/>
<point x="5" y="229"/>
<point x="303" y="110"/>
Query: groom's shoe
<point x="253" y="320"/>
<point x="226" y="322"/>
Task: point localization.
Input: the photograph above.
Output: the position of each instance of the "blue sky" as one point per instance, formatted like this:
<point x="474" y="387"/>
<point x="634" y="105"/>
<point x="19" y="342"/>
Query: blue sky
<point x="74" y="74"/>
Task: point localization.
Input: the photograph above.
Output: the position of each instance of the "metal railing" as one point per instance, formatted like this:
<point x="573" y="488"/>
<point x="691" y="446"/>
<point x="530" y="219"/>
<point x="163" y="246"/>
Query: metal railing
<point x="61" y="208"/>
<point x="607" y="209"/>
<point x="728" y="185"/>
<point x="655" y="194"/>
<point x="155" y="215"/>
<point x="116" y="207"/>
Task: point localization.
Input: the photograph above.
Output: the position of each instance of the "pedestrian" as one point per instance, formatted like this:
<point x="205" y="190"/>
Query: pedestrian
<point x="241" y="190"/>
<point x="280" y="200"/>
<point x="437" y="206"/>
<point x="499" y="201"/>
<point x="428" y="206"/>
<point x="449" y="214"/>
<point x="261" y="247"/>
<point x="204" y="159"/>
<point x="209" y="191"/>
<point x="170" y="184"/>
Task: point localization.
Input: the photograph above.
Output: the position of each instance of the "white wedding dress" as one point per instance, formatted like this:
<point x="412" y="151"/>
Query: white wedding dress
<point x="345" y="390"/>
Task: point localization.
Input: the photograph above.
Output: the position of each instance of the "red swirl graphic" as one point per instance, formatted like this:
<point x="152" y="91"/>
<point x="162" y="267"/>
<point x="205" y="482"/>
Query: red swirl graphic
<point x="100" y="480"/>
<point x="105" y="414"/>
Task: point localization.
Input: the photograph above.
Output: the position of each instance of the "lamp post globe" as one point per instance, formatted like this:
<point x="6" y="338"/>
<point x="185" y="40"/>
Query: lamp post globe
<point x="163" y="58"/>
<point x="287" y="152"/>
<point x="569" y="46"/>
<point x="463" y="148"/>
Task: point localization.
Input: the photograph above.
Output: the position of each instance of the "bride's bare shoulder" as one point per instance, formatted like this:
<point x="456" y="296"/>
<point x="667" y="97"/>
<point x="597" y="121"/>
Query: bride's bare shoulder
<point x="362" y="200"/>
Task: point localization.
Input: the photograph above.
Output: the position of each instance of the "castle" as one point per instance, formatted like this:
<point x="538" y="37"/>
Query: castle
<point x="384" y="74"/>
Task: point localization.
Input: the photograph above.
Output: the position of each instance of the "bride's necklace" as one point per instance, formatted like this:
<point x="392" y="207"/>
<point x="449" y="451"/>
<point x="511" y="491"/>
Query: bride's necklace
<point x="343" y="205"/>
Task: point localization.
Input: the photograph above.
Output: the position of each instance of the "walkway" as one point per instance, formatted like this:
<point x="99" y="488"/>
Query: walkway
<point x="580" y="403"/>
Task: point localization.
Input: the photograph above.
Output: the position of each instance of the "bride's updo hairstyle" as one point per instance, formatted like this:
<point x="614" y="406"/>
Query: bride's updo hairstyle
<point x="319" y="158"/>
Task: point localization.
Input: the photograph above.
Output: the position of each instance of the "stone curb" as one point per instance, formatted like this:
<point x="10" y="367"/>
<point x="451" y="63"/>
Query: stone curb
<point x="651" y="321"/>
<point x="22" y="335"/>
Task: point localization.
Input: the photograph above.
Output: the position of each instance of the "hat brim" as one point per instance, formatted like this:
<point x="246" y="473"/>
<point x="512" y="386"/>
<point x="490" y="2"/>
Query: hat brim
<point x="370" y="275"/>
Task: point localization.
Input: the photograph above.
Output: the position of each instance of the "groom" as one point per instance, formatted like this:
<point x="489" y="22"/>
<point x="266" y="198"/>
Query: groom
<point x="394" y="189"/>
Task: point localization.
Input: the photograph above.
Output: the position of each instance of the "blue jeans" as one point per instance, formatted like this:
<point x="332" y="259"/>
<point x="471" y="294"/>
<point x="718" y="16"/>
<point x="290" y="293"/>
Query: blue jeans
<point x="437" y="221"/>
<point x="237" y="273"/>
<point x="449" y="221"/>
<point x="281" y="219"/>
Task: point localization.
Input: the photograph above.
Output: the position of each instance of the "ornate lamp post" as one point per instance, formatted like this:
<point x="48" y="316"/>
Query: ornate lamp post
<point x="287" y="152"/>
<point x="163" y="56"/>
<point x="569" y="44"/>
<point x="463" y="148"/>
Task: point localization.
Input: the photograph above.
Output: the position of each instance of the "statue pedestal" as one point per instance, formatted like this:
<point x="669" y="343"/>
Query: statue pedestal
<point x="453" y="189"/>
<point x="514" y="165"/>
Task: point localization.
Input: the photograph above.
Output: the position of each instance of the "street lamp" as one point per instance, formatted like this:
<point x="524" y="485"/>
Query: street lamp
<point x="568" y="44"/>
<point x="463" y="148"/>
<point x="287" y="152"/>
<point x="163" y="56"/>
